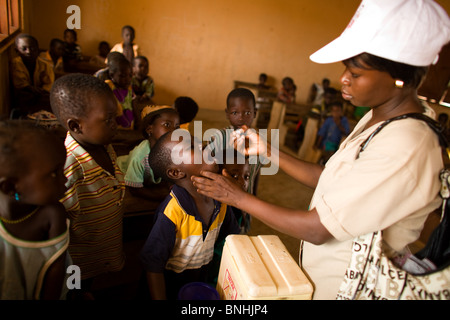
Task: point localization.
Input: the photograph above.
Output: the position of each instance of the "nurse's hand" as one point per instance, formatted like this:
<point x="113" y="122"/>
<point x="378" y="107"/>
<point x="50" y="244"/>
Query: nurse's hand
<point x="222" y="188"/>
<point x="248" y="142"/>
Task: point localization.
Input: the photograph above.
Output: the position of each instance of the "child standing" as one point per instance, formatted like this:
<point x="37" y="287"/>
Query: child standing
<point x="240" y="111"/>
<point x="120" y="84"/>
<point x="288" y="90"/>
<point x="127" y="47"/>
<point x="139" y="177"/>
<point x="331" y="132"/>
<point x="187" y="109"/>
<point x="87" y="109"/>
<point x="180" y="246"/>
<point x="34" y="232"/>
<point x="32" y="77"/>
<point x="142" y="83"/>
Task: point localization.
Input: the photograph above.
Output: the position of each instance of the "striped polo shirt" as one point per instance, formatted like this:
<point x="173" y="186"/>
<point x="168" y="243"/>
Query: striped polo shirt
<point x="179" y="239"/>
<point x="93" y="202"/>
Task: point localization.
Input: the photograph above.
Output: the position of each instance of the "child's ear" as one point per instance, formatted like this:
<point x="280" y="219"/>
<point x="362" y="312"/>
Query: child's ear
<point x="7" y="185"/>
<point x="74" y="125"/>
<point x="175" y="173"/>
<point x="149" y="130"/>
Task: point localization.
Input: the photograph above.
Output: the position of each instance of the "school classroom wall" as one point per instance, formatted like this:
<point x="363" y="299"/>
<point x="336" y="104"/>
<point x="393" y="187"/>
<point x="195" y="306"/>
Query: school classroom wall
<point x="199" y="47"/>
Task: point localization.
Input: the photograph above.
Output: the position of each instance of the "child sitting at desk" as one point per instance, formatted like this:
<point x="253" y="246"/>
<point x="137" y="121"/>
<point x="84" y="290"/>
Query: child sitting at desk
<point x="54" y="55"/>
<point x="32" y="77"/>
<point x="180" y="246"/>
<point x="139" y="177"/>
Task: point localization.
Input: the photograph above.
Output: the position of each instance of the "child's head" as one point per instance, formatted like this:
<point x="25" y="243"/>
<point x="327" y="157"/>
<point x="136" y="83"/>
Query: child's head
<point x="241" y="109"/>
<point x="176" y="161"/>
<point x="27" y="47"/>
<point x="56" y="48"/>
<point x="187" y="109"/>
<point x="158" y="120"/>
<point x="86" y="107"/>
<point x="128" y="34"/>
<point x="262" y="78"/>
<point x="336" y="109"/>
<point x="120" y="73"/>
<point x="140" y="67"/>
<point x="70" y="36"/>
<point x="103" y="49"/>
<point x="237" y="165"/>
<point x="288" y="83"/>
<point x="31" y="163"/>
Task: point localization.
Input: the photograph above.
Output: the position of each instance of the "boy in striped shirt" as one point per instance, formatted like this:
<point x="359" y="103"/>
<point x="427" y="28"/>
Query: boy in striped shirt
<point x="85" y="106"/>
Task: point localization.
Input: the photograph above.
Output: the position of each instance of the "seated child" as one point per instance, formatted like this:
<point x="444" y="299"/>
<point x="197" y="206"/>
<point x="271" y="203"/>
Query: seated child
<point x="139" y="178"/>
<point x="54" y="55"/>
<point x="87" y="109"/>
<point x="287" y="92"/>
<point x="127" y="47"/>
<point x="262" y="85"/>
<point x="32" y="77"/>
<point x="34" y="232"/>
<point x="120" y="84"/>
<point x="240" y="111"/>
<point x="72" y="51"/>
<point x="100" y="59"/>
<point x="142" y="83"/>
<point x="187" y="109"/>
<point x="332" y="131"/>
<point x="179" y="248"/>
<point x="103" y="74"/>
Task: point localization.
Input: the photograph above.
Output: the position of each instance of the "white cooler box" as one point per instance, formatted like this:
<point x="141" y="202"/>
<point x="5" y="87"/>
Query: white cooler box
<point x="260" y="268"/>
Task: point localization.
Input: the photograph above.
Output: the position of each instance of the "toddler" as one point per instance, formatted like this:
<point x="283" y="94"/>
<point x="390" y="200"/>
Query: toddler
<point x="32" y="77"/>
<point x="87" y="109"/>
<point x="180" y="246"/>
<point x="120" y="84"/>
<point x="139" y="177"/>
<point x="127" y="47"/>
<point x="34" y="232"/>
<point x="187" y="109"/>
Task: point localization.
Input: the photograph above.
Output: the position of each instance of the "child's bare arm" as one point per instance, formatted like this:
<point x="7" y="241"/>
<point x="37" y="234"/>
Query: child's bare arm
<point x="54" y="280"/>
<point x="156" y="285"/>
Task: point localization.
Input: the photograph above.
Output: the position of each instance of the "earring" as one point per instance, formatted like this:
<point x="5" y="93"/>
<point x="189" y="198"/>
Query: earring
<point x="399" y="84"/>
<point x="16" y="196"/>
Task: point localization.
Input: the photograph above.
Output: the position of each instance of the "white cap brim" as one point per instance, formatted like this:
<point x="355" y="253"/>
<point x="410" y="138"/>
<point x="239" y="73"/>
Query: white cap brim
<point x="338" y="50"/>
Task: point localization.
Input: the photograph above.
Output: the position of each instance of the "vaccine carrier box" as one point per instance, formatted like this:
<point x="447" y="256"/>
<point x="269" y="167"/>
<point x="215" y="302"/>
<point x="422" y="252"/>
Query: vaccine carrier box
<point x="260" y="268"/>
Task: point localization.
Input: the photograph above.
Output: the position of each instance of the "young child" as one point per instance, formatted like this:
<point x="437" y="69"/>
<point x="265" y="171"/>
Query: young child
<point x="139" y="177"/>
<point x="100" y="59"/>
<point x="87" y="109"/>
<point x="72" y="51"/>
<point x="34" y="232"/>
<point x="103" y="74"/>
<point x="187" y="109"/>
<point x="32" y="77"/>
<point x="180" y="246"/>
<point x="120" y="84"/>
<point x="240" y="111"/>
<point x="127" y="47"/>
<point x="262" y="85"/>
<point x="142" y="83"/>
<point x="287" y="92"/>
<point x="54" y="55"/>
<point x="331" y="132"/>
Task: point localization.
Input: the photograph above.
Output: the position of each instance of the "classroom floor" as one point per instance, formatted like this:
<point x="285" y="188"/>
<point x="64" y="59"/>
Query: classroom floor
<point x="277" y="189"/>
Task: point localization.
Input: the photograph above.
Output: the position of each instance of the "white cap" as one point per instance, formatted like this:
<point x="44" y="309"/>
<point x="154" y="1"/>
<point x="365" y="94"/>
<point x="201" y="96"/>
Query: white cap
<point x="407" y="31"/>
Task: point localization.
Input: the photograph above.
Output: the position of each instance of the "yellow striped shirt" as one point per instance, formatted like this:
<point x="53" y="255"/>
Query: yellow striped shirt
<point x="93" y="202"/>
